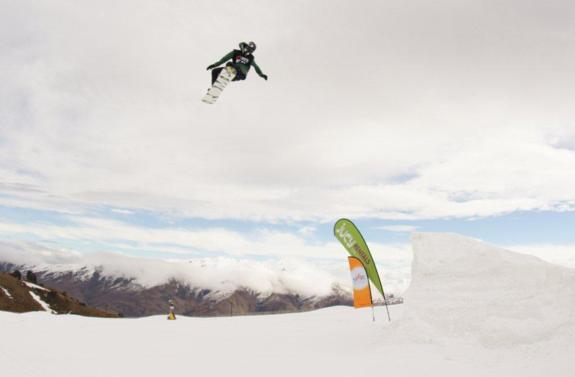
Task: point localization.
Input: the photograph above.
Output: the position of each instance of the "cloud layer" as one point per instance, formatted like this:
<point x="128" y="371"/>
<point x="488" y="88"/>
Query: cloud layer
<point x="387" y="110"/>
<point x="285" y="275"/>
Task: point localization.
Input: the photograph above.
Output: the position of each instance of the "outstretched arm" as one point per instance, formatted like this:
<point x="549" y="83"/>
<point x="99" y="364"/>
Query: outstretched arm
<point x="222" y="60"/>
<point x="258" y="70"/>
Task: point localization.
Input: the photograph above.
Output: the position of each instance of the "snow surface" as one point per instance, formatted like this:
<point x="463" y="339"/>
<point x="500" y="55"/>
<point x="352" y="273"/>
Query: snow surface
<point x="466" y="289"/>
<point x="36" y="286"/>
<point x="6" y="292"/>
<point x="43" y="304"/>
<point x="471" y="310"/>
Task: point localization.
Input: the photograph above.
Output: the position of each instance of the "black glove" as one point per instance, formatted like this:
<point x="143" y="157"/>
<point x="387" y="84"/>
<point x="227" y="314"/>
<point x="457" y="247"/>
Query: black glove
<point x="211" y="66"/>
<point x="265" y="77"/>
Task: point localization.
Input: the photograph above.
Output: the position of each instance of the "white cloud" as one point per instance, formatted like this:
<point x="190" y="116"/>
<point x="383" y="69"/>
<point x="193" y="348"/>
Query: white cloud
<point x="95" y="110"/>
<point x="307" y="231"/>
<point x="399" y="228"/>
<point x="118" y="235"/>
<point x="122" y="211"/>
<point x="31" y="253"/>
<point x="308" y="277"/>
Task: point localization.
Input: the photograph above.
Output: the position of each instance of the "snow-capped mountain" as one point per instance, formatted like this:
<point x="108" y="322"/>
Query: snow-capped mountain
<point x="130" y="297"/>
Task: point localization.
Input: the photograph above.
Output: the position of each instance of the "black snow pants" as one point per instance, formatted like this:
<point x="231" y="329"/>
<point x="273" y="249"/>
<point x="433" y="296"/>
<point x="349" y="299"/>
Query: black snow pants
<point x="216" y="73"/>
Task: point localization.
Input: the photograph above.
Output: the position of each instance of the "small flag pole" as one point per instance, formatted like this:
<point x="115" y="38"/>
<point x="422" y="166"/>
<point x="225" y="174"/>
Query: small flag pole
<point x="373" y="313"/>
<point x="386" y="307"/>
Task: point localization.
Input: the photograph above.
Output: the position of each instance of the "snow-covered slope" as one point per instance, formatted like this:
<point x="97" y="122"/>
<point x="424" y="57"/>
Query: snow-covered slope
<point x="42" y="303"/>
<point x="6" y="293"/>
<point x="472" y="310"/>
<point x="466" y="289"/>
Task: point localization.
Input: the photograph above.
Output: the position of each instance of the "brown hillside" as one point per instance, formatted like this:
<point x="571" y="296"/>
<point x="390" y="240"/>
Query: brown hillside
<point x="17" y="296"/>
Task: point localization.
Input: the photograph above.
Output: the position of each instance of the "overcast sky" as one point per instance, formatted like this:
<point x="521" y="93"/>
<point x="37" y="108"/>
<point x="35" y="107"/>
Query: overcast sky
<point x="403" y="115"/>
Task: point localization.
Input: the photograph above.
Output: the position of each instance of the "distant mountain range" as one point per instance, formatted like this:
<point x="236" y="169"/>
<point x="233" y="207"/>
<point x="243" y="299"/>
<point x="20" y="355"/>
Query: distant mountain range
<point x="128" y="298"/>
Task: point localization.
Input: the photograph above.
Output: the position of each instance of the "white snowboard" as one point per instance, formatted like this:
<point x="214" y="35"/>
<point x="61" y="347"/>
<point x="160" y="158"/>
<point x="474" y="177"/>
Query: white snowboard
<point x="226" y="75"/>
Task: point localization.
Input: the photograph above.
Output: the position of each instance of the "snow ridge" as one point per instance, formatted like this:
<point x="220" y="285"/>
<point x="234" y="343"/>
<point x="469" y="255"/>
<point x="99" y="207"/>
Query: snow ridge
<point x="6" y="293"/>
<point x="44" y="305"/>
<point x="466" y="289"/>
<point x="35" y="286"/>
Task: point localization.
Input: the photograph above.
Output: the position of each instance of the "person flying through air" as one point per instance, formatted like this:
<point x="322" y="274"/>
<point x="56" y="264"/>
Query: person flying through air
<point x="242" y="60"/>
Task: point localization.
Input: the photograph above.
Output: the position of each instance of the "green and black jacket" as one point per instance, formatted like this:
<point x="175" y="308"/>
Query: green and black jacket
<point x="241" y="62"/>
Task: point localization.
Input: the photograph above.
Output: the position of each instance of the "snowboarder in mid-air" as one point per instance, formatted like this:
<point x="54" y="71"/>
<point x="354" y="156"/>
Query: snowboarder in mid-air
<point x="237" y="69"/>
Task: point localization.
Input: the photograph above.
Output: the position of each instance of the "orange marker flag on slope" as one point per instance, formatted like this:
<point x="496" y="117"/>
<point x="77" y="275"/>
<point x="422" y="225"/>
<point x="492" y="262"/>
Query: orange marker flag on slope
<point x="361" y="289"/>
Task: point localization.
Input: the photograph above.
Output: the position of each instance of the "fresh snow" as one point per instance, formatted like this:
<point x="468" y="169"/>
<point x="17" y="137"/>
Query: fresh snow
<point x="36" y="286"/>
<point x="44" y="305"/>
<point x="465" y="289"/>
<point x="6" y="292"/>
<point x="471" y="310"/>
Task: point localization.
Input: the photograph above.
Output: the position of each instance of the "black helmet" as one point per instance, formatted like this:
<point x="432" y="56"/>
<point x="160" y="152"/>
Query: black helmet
<point x="248" y="47"/>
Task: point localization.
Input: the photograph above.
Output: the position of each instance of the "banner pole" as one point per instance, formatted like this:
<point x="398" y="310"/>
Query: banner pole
<point x="386" y="308"/>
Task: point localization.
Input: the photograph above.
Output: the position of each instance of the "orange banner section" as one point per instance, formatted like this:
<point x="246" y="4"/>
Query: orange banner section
<point x="361" y="290"/>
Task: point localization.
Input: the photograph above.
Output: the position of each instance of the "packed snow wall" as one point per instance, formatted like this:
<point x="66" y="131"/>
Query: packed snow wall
<point x="466" y="289"/>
